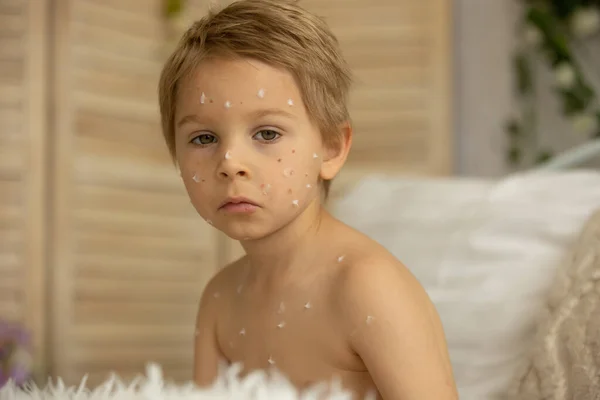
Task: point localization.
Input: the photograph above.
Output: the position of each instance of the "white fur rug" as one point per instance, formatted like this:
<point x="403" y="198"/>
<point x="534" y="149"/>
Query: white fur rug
<point x="256" y="386"/>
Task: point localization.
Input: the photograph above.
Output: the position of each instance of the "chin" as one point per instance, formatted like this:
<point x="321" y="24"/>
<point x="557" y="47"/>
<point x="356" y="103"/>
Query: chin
<point x="242" y="231"/>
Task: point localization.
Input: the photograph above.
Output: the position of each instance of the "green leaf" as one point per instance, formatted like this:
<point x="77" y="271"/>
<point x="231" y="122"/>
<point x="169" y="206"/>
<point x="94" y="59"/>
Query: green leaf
<point x="173" y="7"/>
<point x="513" y="129"/>
<point x="543" y="156"/>
<point x="524" y="76"/>
<point x="556" y="43"/>
<point x="515" y="155"/>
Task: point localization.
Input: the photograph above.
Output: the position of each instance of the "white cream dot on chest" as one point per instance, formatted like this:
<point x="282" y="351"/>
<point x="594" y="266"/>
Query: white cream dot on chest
<point x="288" y="172"/>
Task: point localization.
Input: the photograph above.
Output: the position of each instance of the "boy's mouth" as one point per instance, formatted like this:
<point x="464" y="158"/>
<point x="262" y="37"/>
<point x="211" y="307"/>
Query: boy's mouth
<point x="238" y="205"/>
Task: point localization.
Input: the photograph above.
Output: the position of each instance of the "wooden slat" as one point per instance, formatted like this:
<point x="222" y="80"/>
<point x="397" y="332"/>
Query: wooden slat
<point x="119" y="173"/>
<point x="140" y="87"/>
<point x="187" y="249"/>
<point x="10" y="262"/>
<point x="147" y="8"/>
<point x="11" y="47"/>
<point x="129" y="199"/>
<point x="121" y="313"/>
<point x="103" y="15"/>
<point x="11" y="24"/>
<point x="149" y="292"/>
<point x="135" y="269"/>
<point x="115" y="42"/>
<point x="134" y="224"/>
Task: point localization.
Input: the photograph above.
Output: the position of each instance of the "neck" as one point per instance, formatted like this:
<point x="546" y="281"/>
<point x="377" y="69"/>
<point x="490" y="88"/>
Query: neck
<point x="291" y="244"/>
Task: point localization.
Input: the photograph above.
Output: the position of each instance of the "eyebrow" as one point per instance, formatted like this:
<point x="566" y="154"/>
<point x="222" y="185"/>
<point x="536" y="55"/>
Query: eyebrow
<point x="254" y="115"/>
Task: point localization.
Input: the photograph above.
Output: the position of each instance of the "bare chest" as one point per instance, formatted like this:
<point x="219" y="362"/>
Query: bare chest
<point x="293" y="331"/>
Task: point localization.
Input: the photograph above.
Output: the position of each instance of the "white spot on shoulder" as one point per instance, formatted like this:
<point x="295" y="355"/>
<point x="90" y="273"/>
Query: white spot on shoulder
<point x="341" y="258"/>
<point x="227" y="104"/>
<point x="290" y="102"/>
<point x="202" y="98"/>
<point x="296" y="203"/>
<point x="281" y="324"/>
<point x="243" y="332"/>
<point x="307" y="305"/>
<point x="261" y="94"/>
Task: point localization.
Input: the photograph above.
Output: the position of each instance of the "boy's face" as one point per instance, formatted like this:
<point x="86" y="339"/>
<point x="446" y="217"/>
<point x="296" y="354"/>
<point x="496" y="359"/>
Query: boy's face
<point x="249" y="156"/>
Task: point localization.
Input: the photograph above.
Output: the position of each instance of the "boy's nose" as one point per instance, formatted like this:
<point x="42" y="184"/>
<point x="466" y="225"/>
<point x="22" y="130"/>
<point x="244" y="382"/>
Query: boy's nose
<point x="233" y="169"/>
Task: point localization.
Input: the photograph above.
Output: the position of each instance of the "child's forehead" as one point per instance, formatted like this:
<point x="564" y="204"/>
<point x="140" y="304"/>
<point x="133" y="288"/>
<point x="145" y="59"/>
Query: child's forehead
<point x="241" y="77"/>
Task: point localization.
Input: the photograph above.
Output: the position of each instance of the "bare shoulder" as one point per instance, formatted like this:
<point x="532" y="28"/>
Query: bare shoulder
<point x="374" y="279"/>
<point x="391" y="323"/>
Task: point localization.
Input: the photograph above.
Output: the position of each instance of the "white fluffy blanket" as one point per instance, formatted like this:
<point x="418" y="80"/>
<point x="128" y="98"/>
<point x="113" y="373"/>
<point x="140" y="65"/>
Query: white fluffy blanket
<point x="256" y="386"/>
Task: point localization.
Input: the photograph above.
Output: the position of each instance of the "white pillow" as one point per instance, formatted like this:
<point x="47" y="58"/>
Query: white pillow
<point x="486" y="252"/>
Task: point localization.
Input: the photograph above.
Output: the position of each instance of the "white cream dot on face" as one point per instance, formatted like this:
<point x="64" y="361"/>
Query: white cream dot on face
<point x="271" y="361"/>
<point x="196" y="178"/>
<point x="202" y="98"/>
<point x="227" y="104"/>
<point x="295" y="203"/>
<point x="369" y="319"/>
<point x="281" y="324"/>
<point x="341" y="258"/>
<point x="315" y="155"/>
<point x="266" y="189"/>
<point x="288" y="172"/>
<point x="307" y="305"/>
<point x="243" y="332"/>
<point x="290" y="102"/>
<point x="281" y="308"/>
<point x="261" y="93"/>
<point x="228" y="155"/>
<point x="308" y="186"/>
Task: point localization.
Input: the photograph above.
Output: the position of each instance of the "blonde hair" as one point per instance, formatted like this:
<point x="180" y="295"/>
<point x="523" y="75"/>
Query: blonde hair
<point x="279" y="33"/>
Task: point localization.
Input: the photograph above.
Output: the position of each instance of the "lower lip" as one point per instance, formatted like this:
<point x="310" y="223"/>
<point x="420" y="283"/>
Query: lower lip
<point x="239" y="208"/>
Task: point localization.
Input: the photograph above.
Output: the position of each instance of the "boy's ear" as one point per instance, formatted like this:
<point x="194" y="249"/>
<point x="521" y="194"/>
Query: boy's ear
<point x="335" y="155"/>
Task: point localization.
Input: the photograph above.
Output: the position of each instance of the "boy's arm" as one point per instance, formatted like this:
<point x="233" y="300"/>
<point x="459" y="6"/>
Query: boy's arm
<point x="207" y="355"/>
<point x="396" y="331"/>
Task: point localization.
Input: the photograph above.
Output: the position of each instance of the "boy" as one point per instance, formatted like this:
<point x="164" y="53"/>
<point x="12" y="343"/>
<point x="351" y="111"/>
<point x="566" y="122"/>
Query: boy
<point x="253" y="106"/>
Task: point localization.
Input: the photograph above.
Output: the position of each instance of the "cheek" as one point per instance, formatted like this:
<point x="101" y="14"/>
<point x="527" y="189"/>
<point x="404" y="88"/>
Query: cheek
<point x="295" y="175"/>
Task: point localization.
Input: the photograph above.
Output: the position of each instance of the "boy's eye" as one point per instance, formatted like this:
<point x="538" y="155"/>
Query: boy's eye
<point x="204" y="139"/>
<point x="267" y="135"/>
